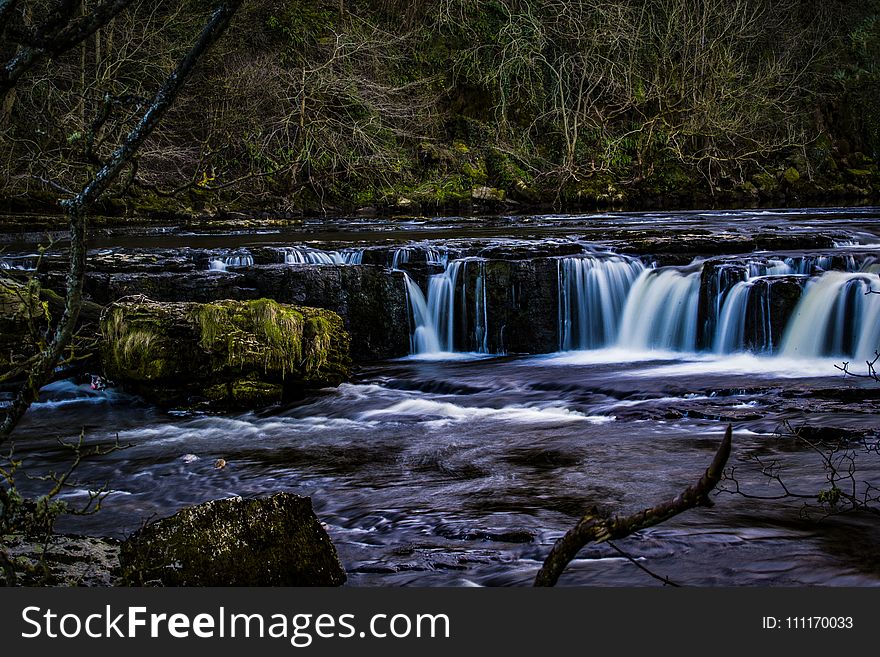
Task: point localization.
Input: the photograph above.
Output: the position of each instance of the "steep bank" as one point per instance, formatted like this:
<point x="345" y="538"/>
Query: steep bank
<point x="311" y="107"/>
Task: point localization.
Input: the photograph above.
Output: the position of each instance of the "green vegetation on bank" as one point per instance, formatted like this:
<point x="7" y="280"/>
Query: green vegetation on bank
<point x="352" y="104"/>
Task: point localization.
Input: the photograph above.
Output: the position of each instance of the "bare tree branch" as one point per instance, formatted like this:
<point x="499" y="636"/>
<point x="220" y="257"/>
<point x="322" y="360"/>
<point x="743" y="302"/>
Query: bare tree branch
<point x="53" y="42"/>
<point x="597" y="528"/>
<point x="77" y="209"/>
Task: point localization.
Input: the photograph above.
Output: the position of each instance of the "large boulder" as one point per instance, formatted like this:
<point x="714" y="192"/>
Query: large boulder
<point x="272" y="541"/>
<point x="228" y="353"/>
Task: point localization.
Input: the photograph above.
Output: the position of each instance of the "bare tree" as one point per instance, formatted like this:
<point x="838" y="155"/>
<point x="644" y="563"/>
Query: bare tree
<point x="77" y="207"/>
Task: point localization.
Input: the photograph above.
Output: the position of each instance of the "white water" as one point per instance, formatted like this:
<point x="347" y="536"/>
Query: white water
<point x="424" y="334"/>
<point x="435" y="316"/>
<point x="837" y="316"/>
<point x="609" y="301"/>
<point x="592" y="295"/>
<point x="223" y="263"/>
<point x="300" y="255"/>
<point x="661" y="311"/>
<point x="732" y="321"/>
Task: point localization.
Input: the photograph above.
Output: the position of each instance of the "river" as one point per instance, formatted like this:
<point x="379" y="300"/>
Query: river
<point x="460" y="463"/>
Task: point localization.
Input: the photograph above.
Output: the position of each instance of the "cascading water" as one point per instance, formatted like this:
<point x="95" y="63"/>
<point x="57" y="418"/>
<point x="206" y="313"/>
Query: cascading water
<point x="592" y="295"/>
<point x="837" y="316"/>
<point x="423" y="339"/>
<point x="297" y="255"/>
<point x="734" y="302"/>
<point x="440" y="318"/>
<point x="661" y="311"/>
<point x="732" y="319"/>
<point x="223" y="263"/>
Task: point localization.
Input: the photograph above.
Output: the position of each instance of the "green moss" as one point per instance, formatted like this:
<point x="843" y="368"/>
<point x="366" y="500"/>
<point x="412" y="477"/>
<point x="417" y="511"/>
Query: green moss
<point x="235" y="353"/>
<point x="247" y="392"/>
<point x="325" y="346"/>
<point x="765" y="182"/>
<point x="138" y="349"/>
<point x="791" y="175"/>
<point x="274" y="541"/>
<point x="260" y="333"/>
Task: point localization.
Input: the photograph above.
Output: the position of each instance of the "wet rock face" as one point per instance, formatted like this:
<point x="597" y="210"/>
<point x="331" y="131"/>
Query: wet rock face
<point x="771" y="303"/>
<point x="227" y="354"/>
<point x="681" y="248"/>
<point x="69" y="560"/>
<point x="522" y="304"/>
<point x="371" y="300"/>
<point x="716" y="279"/>
<point x="272" y="541"/>
<point x="196" y="286"/>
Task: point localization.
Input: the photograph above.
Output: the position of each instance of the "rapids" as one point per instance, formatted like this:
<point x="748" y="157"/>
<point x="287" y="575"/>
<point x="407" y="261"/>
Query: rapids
<point x="462" y="462"/>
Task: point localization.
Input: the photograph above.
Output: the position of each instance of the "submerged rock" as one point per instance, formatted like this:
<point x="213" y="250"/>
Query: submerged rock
<point x="227" y="353"/>
<point x="272" y="541"/>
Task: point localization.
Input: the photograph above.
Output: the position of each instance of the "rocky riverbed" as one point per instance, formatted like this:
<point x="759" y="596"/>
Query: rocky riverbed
<point x="507" y="374"/>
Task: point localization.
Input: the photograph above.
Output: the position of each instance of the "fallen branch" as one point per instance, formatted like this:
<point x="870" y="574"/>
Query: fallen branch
<point x="595" y="527"/>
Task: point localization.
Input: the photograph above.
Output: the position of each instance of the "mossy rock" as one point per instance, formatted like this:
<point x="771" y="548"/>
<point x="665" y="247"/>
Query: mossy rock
<point x="791" y="175"/>
<point x="270" y="541"/>
<point x="23" y="315"/>
<point x="227" y="353"/>
<point x="765" y="182"/>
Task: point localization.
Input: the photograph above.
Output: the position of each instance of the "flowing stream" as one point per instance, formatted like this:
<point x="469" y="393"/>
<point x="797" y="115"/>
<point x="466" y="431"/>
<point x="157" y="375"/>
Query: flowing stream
<point x="461" y="463"/>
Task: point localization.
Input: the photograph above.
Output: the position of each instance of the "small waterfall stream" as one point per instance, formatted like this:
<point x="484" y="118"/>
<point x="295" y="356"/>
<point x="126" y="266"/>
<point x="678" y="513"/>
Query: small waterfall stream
<point x="448" y="304"/>
<point x="661" y="311"/>
<point x="838" y="315"/>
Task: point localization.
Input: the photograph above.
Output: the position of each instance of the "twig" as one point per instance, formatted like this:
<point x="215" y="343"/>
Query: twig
<point x="635" y="562"/>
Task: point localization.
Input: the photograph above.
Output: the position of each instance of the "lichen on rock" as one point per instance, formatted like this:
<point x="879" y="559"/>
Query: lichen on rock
<point x="227" y="353"/>
<point x="271" y="541"/>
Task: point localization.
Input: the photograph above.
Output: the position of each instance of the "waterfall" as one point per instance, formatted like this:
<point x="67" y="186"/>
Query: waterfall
<point x="404" y="255"/>
<point x="449" y="304"/>
<point x="352" y="256"/>
<point x="223" y="263"/>
<point x="481" y="320"/>
<point x="734" y="304"/>
<point x="301" y="255"/>
<point x="661" y="311"/>
<point x="732" y="320"/>
<point x="592" y="295"/>
<point x="836" y="317"/>
<point x="423" y="339"/>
